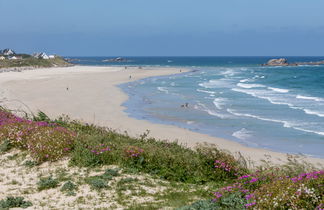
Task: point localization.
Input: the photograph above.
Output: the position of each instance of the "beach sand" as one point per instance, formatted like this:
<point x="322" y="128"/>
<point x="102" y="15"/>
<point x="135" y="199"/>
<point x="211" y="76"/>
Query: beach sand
<point x="91" y="94"/>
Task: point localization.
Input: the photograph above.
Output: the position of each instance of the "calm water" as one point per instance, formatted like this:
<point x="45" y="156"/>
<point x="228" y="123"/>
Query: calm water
<point x="277" y="108"/>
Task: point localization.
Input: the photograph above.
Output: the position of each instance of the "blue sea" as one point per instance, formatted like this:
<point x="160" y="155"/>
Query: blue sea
<point x="276" y="108"/>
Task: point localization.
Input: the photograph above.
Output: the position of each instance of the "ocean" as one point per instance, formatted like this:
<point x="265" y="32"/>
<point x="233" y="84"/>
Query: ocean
<point x="275" y="108"/>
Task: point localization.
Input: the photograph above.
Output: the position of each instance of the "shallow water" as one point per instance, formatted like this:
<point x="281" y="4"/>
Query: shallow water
<point x="277" y="108"/>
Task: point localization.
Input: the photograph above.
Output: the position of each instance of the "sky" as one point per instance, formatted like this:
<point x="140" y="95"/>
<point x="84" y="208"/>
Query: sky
<point x="164" y="27"/>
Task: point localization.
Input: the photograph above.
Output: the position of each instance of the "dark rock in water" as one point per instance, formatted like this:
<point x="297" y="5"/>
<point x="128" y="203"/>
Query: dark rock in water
<point x="119" y="59"/>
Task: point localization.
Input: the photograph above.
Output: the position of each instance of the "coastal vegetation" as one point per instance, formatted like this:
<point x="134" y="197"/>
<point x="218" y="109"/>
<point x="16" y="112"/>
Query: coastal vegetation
<point x="100" y="168"/>
<point x="11" y="59"/>
<point x="33" y="62"/>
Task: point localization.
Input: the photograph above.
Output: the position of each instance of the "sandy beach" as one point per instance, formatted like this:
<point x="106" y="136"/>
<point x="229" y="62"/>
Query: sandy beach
<point x="91" y="94"/>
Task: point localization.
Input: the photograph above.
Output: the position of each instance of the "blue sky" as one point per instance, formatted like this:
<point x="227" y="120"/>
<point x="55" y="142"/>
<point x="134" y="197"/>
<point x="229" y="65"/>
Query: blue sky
<point x="168" y="27"/>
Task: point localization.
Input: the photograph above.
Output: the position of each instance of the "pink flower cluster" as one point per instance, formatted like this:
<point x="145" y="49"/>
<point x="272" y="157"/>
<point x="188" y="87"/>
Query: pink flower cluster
<point x="100" y="149"/>
<point x="222" y="165"/>
<point x="311" y="175"/>
<point x="249" y="185"/>
<point x="133" y="151"/>
<point x="45" y="141"/>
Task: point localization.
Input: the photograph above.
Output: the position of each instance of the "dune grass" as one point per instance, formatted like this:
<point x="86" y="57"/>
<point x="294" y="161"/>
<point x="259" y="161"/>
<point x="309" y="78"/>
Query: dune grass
<point x="291" y="186"/>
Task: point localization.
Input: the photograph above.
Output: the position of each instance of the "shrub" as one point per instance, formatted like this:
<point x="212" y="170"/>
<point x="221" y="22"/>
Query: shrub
<point x="47" y="183"/>
<point x="14" y="202"/>
<point x="269" y="190"/>
<point x="201" y="205"/>
<point x="111" y="172"/>
<point x="100" y="182"/>
<point x="30" y="163"/>
<point x="5" y="146"/>
<point x="45" y="141"/>
<point x="48" y="143"/>
<point x="97" y="182"/>
<point x="69" y="188"/>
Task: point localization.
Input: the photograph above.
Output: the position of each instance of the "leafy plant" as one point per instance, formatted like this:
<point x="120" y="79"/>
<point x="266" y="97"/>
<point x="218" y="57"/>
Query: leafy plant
<point x="47" y="183"/>
<point x="14" y="202"/>
<point x="69" y="188"/>
<point x="201" y="205"/>
<point x="5" y="146"/>
<point x="97" y="182"/>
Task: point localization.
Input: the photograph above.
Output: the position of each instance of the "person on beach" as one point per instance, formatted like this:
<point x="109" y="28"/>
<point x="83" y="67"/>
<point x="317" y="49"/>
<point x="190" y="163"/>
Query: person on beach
<point x="130" y="76"/>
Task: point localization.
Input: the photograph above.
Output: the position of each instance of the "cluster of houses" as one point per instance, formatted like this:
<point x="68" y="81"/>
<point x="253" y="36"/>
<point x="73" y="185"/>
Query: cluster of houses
<point x="11" y="55"/>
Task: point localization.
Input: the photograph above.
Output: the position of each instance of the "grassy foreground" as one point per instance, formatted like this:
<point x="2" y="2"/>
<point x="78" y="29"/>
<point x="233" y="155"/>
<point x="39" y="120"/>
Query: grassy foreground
<point x="67" y="164"/>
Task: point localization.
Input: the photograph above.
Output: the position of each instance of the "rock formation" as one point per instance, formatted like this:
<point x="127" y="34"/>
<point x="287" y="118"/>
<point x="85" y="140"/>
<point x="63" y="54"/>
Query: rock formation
<point x="277" y="62"/>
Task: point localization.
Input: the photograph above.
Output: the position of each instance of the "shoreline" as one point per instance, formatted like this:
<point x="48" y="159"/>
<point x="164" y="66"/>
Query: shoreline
<point x="91" y="94"/>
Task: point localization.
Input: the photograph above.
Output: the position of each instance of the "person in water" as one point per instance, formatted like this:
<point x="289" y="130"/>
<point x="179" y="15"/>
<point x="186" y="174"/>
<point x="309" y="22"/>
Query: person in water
<point x="186" y="105"/>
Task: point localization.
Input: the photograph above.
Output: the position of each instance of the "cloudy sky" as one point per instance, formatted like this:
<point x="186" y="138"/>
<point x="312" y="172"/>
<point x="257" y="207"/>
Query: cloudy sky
<point x="163" y="27"/>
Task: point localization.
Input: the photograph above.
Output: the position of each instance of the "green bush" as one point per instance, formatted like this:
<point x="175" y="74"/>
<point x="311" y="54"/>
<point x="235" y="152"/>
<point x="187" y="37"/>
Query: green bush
<point x="97" y="182"/>
<point x="30" y="163"/>
<point x="5" y="146"/>
<point x="69" y="188"/>
<point x="14" y="202"/>
<point x="47" y="183"/>
<point x="201" y="205"/>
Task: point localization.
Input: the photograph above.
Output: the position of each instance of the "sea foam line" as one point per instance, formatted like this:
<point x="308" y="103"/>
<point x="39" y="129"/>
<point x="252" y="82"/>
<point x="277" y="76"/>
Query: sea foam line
<point x="286" y="124"/>
<point x="203" y="107"/>
<point x="279" y="90"/>
<point x="276" y="102"/>
<point x="310" y="98"/>
<point x="244" y="85"/>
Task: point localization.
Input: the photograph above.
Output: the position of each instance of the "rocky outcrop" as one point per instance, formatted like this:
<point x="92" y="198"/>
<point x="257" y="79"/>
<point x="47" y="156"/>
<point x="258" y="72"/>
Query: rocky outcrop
<point x="284" y="62"/>
<point x="277" y="62"/>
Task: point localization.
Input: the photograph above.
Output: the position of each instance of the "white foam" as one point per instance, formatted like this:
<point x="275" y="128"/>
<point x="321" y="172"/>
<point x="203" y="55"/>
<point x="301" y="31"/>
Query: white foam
<point x="309" y="98"/>
<point x="163" y="89"/>
<point x="205" y="91"/>
<point x="242" y="134"/>
<point x="243" y="85"/>
<point x="215" y="83"/>
<point x="261" y="94"/>
<point x="279" y="90"/>
<point x="172" y="84"/>
<point x="219" y="102"/>
<point x="202" y="107"/>
<point x="228" y="72"/>
<point x="246" y="80"/>
<point x="311" y="112"/>
<point x="286" y="124"/>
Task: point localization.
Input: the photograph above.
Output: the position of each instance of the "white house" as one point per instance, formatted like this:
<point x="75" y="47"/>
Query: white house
<point x="41" y="55"/>
<point x="2" y="58"/>
<point x="51" y="56"/>
<point x="13" y="58"/>
<point x="8" y="52"/>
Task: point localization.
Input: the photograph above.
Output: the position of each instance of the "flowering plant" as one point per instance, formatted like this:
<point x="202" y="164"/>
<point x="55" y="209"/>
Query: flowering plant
<point x="133" y="152"/>
<point x="45" y="141"/>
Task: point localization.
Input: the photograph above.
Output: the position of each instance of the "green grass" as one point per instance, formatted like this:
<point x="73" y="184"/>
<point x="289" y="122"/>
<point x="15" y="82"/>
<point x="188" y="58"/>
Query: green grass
<point x="34" y="62"/>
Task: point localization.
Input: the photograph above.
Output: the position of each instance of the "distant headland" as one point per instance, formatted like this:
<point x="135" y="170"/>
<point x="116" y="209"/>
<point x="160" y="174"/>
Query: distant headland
<point x="10" y="60"/>
<point x="284" y="62"/>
